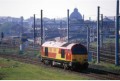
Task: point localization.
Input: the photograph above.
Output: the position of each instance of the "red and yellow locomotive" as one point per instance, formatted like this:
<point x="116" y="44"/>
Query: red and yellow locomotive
<point x="68" y="55"/>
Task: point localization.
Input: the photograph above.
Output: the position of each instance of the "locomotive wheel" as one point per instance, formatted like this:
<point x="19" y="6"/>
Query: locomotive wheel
<point x="65" y="66"/>
<point x="46" y="62"/>
<point x="52" y="63"/>
<point x="41" y="59"/>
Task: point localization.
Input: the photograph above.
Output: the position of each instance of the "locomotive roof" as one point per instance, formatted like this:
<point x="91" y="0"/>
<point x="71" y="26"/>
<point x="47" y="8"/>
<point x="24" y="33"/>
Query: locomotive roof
<point x="58" y="44"/>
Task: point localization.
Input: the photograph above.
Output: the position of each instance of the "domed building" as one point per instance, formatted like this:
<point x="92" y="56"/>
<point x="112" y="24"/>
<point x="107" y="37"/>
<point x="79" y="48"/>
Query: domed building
<point x="77" y="29"/>
<point x="75" y="15"/>
<point x="76" y="18"/>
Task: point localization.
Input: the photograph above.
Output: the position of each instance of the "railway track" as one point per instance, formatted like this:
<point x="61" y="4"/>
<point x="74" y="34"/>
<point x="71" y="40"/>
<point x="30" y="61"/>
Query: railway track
<point x="90" y="72"/>
<point x="105" y="55"/>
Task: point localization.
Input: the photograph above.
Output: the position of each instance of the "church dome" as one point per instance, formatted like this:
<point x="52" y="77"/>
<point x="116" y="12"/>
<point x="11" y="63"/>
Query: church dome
<point x="76" y="15"/>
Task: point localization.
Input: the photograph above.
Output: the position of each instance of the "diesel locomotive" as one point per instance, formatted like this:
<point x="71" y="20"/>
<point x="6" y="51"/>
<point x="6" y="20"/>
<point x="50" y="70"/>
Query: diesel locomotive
<point x="67" y="55"/>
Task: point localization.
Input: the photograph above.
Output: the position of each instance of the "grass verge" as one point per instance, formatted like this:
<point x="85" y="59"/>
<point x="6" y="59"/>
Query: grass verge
<point x="14" y="70"/>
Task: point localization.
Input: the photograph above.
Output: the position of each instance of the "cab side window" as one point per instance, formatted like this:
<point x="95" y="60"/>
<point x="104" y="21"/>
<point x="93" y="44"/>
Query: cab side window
<point x="46" y="51"/>
<point x="62" y="53"/>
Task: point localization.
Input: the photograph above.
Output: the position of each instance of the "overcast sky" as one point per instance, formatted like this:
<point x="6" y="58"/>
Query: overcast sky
<point x="56" y="8"/>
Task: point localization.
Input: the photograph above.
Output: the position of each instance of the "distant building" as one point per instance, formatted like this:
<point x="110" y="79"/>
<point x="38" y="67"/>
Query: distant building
<point x="77" y="28"/>
<point x="108" y="27"/>
<point x="76" y="18"/>
<point x="75" y="15"/>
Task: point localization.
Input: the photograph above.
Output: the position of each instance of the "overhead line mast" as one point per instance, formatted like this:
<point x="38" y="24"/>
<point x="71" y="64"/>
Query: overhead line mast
<point x="68" y="25"/>
<point x="98" y="34"/>
<point x="41" y="27"/>
<point x="117" y="35"/>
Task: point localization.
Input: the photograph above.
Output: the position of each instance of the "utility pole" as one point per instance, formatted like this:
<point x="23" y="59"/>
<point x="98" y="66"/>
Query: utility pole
<point x="68" y="25"/>
<point x="83" y="17"/>
<point x="41" y="27"/>
<point x="89" y="18"/>
<point x="88" y="34"/>
<point x="117" y="35"/>
<point x="2" y="36"/>
<point x="88" y="38"/>
<point x="34" y="31"/>
<point x="21" y="37"/>
<point x="98" y="36"/>
<point x="101" y="35"/>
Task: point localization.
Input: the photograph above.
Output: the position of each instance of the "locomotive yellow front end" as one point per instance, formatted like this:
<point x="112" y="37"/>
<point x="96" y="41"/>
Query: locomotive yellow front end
<point x="79" y="56"/>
